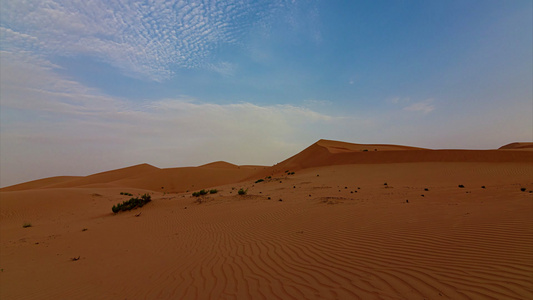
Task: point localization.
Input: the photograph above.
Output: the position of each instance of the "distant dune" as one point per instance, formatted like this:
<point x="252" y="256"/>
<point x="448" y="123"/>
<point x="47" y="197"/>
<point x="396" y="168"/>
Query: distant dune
<point x="518" y="146"/>
<point x="335" y="221"/>
<point x="326" y="153"/>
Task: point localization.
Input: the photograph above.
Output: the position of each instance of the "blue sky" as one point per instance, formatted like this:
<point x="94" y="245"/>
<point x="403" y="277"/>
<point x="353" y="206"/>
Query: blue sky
<point x="89" y="86"/>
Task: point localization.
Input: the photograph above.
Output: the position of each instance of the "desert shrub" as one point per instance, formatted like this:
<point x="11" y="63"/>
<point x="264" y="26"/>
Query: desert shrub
<point x="523" y="189"/>
<point x="126" y="194"/>
<point x="291" y="173"/>
<point x="132" y="203"/>
<point x="213" y="191"/>
<point x="461" y="186"/>
<point x="259" y="180"/>
<point x="26" y="225"/>
<point x="201" y="193"/>
<point x="242" y="191"/>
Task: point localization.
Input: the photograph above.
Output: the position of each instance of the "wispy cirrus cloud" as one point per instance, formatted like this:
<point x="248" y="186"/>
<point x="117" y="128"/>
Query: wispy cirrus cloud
<point x="143" y="38"/>
<point x="425" y="106"/>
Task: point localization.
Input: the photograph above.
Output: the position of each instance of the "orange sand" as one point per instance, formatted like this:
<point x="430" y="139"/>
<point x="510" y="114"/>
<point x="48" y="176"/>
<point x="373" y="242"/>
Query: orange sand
<point x="339" y="232"/>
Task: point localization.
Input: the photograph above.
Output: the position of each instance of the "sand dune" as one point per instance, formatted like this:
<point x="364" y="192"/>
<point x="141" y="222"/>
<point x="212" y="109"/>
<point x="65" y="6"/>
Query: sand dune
<point x="326" y="153"/>
<point x="40" y="183"/>
<point x="518" y="146"/>
<point x="389" y="228"/>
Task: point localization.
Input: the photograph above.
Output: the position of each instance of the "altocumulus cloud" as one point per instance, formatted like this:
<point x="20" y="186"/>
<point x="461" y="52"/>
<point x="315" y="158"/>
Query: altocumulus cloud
<point x="145" y="39"/>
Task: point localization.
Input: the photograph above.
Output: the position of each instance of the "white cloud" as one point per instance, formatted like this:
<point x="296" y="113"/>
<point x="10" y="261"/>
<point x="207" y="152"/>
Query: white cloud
<point x="54" y="126"/>
<point x="425" y="106"/>
<point x="146" y="39"/>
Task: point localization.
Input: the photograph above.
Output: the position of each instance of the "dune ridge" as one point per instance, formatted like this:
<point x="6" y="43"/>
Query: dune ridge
<point x="327" y="152"/>
<point x="333" y="230"/>
<point x="519" y="146"/>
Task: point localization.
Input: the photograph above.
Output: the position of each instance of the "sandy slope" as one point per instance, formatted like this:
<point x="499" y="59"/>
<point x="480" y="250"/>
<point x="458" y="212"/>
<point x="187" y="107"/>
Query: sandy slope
<point x="518" y="146"/>
<point x="338" y="233"/>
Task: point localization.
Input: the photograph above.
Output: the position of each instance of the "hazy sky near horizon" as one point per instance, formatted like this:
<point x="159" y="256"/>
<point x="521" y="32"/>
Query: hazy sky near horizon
<point x="89" y="86"/>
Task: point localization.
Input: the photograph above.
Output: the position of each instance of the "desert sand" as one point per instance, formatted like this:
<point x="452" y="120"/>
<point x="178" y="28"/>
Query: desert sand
<point x="352" y="222"/>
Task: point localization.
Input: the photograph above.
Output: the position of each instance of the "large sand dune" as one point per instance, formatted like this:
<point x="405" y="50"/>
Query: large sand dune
<point x="390" y="223"/>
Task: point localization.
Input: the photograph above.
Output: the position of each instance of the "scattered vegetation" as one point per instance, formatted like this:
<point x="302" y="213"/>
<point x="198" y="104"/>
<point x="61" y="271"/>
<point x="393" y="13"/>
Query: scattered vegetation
<point x="26" y="225"/>
<point x="200" y="193"/>
<point x="365" y="150"/>
<point x="482" y="186"/>
<point x="132" y="203"/>
<point x="259" y="180"/>
<point x="523" y="189"/>
<point x="461" y="186"/>
<point x="213" y="191"/>
<point x="126" y="194"/>
<point x="426" y="189"/>
<point x="290" y="173"/>
<point x="242" y="191"/>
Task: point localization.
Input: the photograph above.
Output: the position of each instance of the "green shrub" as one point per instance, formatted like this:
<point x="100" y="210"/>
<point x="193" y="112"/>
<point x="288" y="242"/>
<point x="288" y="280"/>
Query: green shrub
<point x="259" y="180"/>
<point x="26" y="225"/>
<point x="132" y="203"/>
<point x="213" y="191"/>
<point x="200" y="193"/>
<point x="242" y="191"/>
<point x="126" y="194"/>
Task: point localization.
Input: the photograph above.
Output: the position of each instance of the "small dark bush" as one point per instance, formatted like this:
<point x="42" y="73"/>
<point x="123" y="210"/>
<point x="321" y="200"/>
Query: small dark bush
<point x="26" y="225"/>
<point x="126" y="194"/>
<point x="213" y="191"/>
<point x="461" y="186"/>
<point x="291" y="173"/>
<point x="242" y="191"/>
<point x="259" y="180"/>
<point x="523" y="189"/>
<point x="269" y="177"/>
<point x="426" y="190"/>
<point x="132" y="203"/>
<point x="200" y="193"/>
<point x="482" y="186"/>
<point x="365" y="150"/>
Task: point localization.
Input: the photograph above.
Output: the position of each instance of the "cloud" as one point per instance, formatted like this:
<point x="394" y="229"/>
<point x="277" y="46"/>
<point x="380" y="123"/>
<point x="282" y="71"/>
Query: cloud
<point x="145" y="39"/>
<point x="51" y="125"/>
<point x="422" y="106"/>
